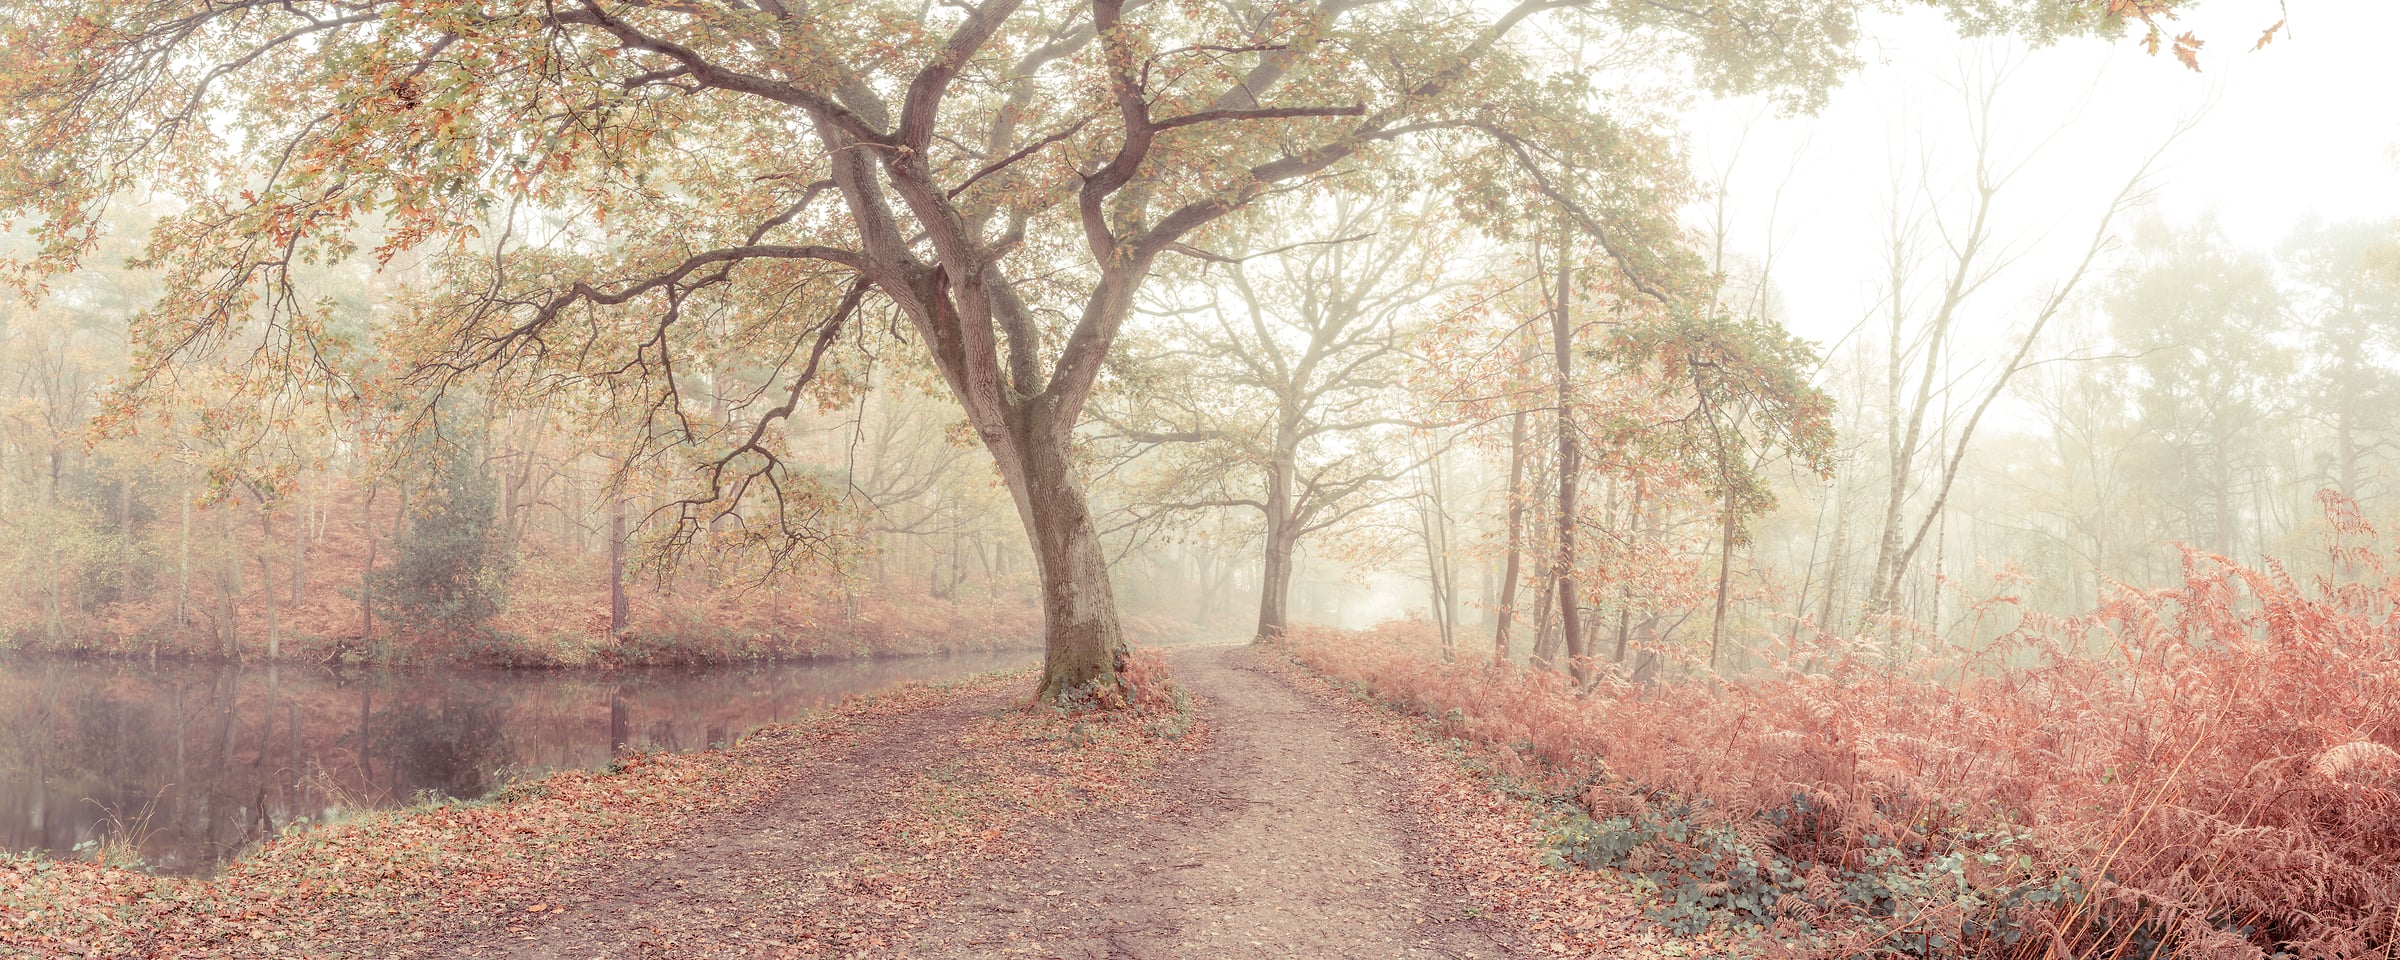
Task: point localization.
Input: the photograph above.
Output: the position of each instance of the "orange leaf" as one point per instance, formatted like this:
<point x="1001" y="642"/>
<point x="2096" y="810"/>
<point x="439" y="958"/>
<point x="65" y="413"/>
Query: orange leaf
<point x="2269" y="36"/>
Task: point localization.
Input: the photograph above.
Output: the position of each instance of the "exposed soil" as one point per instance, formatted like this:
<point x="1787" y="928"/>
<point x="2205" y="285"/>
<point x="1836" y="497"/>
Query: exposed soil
<point x="1286" y="838"/>
<point x="1282" y="836"/>
<point x="733" y="888"/>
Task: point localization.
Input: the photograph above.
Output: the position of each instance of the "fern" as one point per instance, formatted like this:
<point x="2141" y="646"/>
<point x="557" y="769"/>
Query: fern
<point x="2215" y="774"/>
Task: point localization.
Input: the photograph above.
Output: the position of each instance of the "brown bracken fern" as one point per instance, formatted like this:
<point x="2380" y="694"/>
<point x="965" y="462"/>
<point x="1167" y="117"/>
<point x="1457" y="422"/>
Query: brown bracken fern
<point x="2206" y="770"/>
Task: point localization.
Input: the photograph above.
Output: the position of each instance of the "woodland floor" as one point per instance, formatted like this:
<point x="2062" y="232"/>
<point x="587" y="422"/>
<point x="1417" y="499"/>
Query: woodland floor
<point x="1284" y="830"/>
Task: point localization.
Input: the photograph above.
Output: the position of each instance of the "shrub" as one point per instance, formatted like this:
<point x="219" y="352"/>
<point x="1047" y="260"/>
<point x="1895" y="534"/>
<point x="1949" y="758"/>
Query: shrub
<point x="449" y="576"/>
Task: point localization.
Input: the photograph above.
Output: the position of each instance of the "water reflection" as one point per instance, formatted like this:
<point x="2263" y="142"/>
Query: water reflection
<point x="197" y="761"/>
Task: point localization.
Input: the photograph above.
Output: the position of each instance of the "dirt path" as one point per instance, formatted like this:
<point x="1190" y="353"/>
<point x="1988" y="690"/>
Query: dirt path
<point x="732" y="889"/>
<point x="1283" y="836"/>
<point x="1286" y="839"/>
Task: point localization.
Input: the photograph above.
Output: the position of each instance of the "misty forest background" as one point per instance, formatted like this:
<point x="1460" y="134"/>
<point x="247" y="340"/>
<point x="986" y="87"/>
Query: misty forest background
<point x="1363" y="404"/>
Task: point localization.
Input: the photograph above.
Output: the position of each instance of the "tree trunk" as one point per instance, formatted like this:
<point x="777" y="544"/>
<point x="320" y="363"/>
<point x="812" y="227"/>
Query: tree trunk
<point x="1837" y="561"/>
<point x="1570" y="468"/>
<point x="1545" y="615"/>
<point x="1436" y="575"/>
<point x="1716" y="627"/>
<point x="183" y="558"/>
<point x="2221" y="478"/>
<point x="299" y="553"/>
<point x="1275" y="582"/>
<point x="1437" y="556"/>
<point x="1636" y="525"/>
<point x="1084" y="643"/>
<point x="229" y="587"/>
<point x="266" y="585"/>
<point x="1933" y="619"/>
<point x="366" y="574"/>
<point x="2347" y="449"/>
<point x="1510" y="570"/>
<point x="1275" y="589"/>
<point x="619" y="610"/>
<point x="54" y="619"/>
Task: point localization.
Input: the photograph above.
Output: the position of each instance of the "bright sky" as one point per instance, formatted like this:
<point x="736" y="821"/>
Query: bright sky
<point x="2308" y="125"/>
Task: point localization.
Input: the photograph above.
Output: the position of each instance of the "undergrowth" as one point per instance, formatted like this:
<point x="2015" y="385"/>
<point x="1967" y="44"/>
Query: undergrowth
<point x="1143" y="688"/>
<point x="2207" y="770"/>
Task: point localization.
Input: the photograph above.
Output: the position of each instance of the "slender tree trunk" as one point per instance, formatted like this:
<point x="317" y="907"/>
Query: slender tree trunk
<point x="266" y="737"/>
<point x="1436" y="590"/>
<point x="54" y="619"/>
<point x="183" y="558"/>
<point x="619" y="610"/>
<point x="1570" y="469"/>
<point x="1634" y="526"/>
<point x="266" y="586"/>
<point x="1511" y="570"/>
<point x="366" y="574"/>
<point x="1941" y="537"/>
<point x="2347" y="449"/>
<point x="229" y="588"/>
<point x="299" y="554"/>
<point x="1716" y="628"/>
<point x="1545" y="615"/>
<point x="1837" y="562"/>
<point x="2221" y="477"/>
<point x="1433" y="529"/>
<point x="1439" y="542"/>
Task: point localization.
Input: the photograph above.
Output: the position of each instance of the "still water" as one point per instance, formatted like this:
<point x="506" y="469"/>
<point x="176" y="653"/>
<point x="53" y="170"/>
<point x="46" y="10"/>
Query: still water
<point x="198" y="761"/>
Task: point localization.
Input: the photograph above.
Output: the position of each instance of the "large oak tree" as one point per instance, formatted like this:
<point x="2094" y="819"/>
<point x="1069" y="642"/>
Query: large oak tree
<point x="588" y="184"/>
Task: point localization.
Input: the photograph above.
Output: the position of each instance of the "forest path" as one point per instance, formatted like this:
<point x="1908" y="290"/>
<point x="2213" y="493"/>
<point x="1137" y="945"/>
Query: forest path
<point x="732" y="887"/>
<point x="1286" y="837"/>
<point x="1283" y="835"/>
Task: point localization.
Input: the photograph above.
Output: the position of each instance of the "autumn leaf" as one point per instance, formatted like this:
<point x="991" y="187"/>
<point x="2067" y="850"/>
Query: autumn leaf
<point x="2187" y="49"/>
<point x="2269" y="36"/>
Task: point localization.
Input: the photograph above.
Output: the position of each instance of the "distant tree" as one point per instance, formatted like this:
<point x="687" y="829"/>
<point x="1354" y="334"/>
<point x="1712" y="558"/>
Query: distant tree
<point x="1271" y="385"/>
<point x="2201" y="315"/>
<point x="1676" y="414"/>
<point x="450" y="564"/>
<point x="2347" y="298"/>
<point x="1940" y="264"/>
